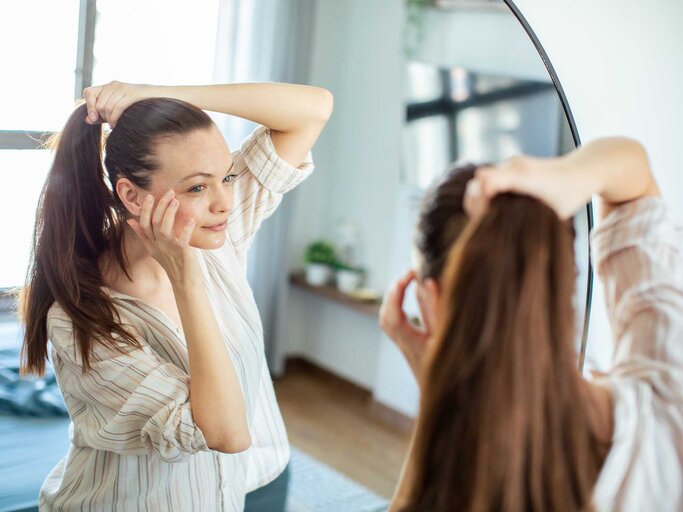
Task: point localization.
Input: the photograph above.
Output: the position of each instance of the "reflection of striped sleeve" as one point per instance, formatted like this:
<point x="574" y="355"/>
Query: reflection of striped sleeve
<point x="262" y="179"/>
<point x="638" y="252"/>
<point x="131" y="403"/>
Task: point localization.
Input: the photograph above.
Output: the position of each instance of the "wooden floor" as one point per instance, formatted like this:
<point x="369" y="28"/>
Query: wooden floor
<point x="337" y="423"/>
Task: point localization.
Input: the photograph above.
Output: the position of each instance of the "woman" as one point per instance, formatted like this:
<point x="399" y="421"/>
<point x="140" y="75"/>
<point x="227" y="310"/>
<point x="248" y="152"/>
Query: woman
<point x="140" y="285"/>
<point x="507" y="422"/>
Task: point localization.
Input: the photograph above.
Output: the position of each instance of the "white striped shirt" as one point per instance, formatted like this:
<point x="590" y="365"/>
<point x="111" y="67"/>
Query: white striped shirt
<point x="638" y="252"/>
<point x="134" y="444"/>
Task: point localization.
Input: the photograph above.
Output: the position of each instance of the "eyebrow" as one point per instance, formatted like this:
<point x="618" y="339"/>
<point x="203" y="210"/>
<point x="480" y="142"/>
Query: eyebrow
<point x="205" y="174"/>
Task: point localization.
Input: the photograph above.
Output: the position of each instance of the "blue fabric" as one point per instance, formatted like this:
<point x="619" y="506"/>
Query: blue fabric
<point x="28" y="396"/>
<point x="29" y="449"/>
<point x="34" y="434"/>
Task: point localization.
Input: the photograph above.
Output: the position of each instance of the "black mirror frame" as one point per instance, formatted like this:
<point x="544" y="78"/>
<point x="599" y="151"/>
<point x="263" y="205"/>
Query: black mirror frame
<point x="577" y="142"/>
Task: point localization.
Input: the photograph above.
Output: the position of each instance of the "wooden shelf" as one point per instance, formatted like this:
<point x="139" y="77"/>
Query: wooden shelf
<point x="331" y="293"/>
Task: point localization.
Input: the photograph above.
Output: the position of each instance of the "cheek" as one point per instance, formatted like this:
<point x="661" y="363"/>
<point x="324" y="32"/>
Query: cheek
<point x="185" y="213"/>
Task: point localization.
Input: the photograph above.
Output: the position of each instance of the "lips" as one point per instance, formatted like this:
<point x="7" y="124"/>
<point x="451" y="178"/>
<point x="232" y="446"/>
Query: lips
<point x="218" y="227"/>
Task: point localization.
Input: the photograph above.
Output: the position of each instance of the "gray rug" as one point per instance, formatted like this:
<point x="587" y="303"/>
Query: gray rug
<point x="315" y="487"/>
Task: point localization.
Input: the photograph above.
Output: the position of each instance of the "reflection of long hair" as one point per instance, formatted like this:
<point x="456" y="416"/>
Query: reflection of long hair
<point x="504" y="422"/>
<point x="79" y="219"/>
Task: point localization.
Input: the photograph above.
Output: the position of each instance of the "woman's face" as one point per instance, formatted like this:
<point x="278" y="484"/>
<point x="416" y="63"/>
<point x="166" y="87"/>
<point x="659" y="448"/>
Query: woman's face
<point x="198" y="166"/>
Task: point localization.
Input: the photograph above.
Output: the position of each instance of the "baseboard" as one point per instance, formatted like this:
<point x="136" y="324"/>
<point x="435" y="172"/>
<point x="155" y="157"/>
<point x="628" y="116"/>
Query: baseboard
<point x="377" y="410"/>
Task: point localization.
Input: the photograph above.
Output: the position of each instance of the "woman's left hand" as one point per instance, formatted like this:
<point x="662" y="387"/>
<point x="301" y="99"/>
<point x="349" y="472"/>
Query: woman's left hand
<point x="107" y="102"/>
<point x="411" y="339"/>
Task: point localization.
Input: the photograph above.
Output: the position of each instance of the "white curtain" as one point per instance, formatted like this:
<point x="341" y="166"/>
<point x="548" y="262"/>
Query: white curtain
<point x="260" y="41"/>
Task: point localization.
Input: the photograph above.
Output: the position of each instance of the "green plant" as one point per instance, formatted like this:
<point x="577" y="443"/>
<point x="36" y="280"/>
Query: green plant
<point x="321" y="252"/>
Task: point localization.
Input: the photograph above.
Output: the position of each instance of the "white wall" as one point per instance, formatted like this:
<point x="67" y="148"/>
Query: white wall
<point x="620" y="65"/>
<point x="357" y="55"/>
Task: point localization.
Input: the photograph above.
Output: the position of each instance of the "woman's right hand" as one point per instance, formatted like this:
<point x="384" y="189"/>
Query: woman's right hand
<point x="550" y="180"/>
<point x="157" y="231"/>
<point x="615" y="168"/>
<point x="106" y="103"/>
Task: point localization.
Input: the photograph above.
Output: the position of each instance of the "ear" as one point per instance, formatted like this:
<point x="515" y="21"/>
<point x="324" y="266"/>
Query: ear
<point x="130" y="195"/>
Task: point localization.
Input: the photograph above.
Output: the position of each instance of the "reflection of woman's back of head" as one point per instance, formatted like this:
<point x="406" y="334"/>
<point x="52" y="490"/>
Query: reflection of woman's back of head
<point x="442" y="219"/>
<point x="504" y="421"/>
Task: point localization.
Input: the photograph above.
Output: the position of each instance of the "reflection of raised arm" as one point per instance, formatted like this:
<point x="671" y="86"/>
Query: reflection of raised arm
<point x="296" y="114"/>
<point x="614" y="168"/>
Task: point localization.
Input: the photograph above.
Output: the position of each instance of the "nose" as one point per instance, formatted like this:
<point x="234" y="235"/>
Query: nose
<point x="222" y="200"/>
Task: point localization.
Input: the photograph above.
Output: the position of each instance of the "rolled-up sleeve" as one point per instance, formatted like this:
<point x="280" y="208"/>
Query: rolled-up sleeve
<point x="130" y="402"/>
<point x="638" y="252"/>
<point x="262" y="179"/>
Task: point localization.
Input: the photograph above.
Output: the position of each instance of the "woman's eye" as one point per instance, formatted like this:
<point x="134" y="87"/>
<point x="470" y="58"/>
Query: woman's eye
<point x="229" y="178"/>
<point x="198" y="188"/>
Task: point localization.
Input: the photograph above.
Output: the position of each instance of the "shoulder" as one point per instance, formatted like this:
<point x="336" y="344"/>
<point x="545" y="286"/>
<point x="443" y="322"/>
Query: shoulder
<point x="57" y="318"/>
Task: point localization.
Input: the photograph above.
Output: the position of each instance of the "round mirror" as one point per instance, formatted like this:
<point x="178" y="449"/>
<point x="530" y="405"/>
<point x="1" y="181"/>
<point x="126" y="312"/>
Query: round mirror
<point x="417" y="86"/>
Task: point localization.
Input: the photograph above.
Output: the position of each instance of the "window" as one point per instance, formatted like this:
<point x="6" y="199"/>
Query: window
<point x="39" y="63"/>
<point x="59" y="47"/>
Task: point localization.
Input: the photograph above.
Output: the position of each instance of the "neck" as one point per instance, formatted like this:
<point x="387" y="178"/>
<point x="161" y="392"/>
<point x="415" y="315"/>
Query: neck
<point x="143" y="269"/>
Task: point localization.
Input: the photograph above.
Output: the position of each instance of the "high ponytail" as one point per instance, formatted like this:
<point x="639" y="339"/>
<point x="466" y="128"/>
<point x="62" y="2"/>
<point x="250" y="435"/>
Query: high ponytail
<point x="504" y="418"/>
<point x="79" y="219"/>
<point x="74" y="223"/>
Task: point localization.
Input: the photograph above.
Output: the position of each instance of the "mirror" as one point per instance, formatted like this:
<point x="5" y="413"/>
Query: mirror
<point x="449" y="81"/>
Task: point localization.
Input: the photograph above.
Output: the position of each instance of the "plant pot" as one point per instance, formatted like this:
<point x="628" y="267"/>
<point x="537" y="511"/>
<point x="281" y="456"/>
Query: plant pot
<point x="318" y="274"/>
<point x="348" y="280"/>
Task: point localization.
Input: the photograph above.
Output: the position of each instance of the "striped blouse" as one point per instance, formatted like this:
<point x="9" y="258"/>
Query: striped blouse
<point x="638" y="252"/>
<point x="134" y="444"/>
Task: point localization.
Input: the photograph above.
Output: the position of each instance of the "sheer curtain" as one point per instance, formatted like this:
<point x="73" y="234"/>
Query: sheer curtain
<point x="257" y="41"/>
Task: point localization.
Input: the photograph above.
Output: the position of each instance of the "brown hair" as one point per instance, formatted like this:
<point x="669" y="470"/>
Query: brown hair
<point x="504" y="416"/>
<point x="79" y="219"/>
<point x="442" y="219"/>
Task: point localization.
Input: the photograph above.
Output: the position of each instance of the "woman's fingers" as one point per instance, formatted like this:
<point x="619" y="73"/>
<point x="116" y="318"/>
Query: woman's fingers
<point x="116" y="104"/>
<point x="121" y="104"/>
<point x="90" y="95"/>
<point x="490" y="181"/>
<point x="475" y="202"/>
<point x="187" y="233"/>
<point x="400" y="288"/>
<point x="146" y="216"/>
<point x="392" y="316"/>
<point x="102" y="99"/>
<point x="168" y="220"/>
<point x="160" y="210"/>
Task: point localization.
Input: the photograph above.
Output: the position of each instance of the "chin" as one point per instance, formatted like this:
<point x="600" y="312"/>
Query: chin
<point x="209" y="242"/>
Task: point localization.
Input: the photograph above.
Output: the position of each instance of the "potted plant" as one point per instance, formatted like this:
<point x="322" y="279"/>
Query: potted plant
<point x="320" y="257"/>
<point x="349" y="278"/>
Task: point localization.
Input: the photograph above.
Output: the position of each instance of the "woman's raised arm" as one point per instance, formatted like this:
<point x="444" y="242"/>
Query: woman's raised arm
<point x="296" y="114"/>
